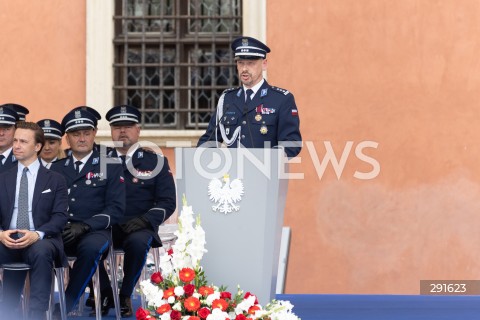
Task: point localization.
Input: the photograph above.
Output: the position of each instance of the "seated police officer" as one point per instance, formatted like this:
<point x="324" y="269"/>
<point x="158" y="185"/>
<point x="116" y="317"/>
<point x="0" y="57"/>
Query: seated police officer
<point x="96" y="201"/>
<point x="150" y="200"/>
<point x="52" y="150"/>
<point x="68" y="151"/>
<point x="8" y="118"/>
<point x="255" y="115"/>
<point x="19" y="109"/>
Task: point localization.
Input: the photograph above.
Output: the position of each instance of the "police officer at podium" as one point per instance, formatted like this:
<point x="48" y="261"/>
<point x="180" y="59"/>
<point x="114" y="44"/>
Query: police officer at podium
<point x="150" y="200"/>
<point x="96" y="201"/>
<point x="255" y="115"/>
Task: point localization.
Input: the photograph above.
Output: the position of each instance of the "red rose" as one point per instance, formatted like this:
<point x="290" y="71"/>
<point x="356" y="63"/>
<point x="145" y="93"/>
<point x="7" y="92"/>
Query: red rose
<point x="141" y="314"/>
<point x="225" y="295"/>
<point x="240" y="317"/>
<point x="170" y="252"/>
<point x="156" y="277"/>
<point x="189" y="289"/>
<point x="175" y="315"/>
<point x="203" y="313"/>
<point x="193" y="318"/>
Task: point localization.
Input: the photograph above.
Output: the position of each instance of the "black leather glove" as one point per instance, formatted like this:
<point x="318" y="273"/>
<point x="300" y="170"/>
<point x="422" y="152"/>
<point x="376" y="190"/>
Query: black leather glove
<point x="135" y="224"/>
<point x="74" y="231"/>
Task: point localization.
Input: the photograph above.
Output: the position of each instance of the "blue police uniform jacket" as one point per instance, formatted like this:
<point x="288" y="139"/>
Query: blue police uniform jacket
<point x="272" y="116"/>
<point x="149" y="194"/>
<point x="10" y="162"/>
<point x="96" y="198"/>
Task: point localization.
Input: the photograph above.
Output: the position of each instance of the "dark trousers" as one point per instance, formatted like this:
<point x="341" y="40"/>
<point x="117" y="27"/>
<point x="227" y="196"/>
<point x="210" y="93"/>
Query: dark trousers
<point x="88" y="251"/>
<point x="40" y="256"/>
<point x="136" y="246"/>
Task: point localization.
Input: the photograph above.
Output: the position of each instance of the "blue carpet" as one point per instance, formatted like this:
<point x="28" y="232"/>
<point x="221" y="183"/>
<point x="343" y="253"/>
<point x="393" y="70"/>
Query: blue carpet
<point x="371" y="307"/>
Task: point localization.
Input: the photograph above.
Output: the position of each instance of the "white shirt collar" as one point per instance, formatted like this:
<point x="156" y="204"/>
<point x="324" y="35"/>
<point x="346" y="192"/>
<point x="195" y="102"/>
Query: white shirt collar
<point x="84" y="159"/>
<point x="256" y="87"/>
<point x="32" y="168"/>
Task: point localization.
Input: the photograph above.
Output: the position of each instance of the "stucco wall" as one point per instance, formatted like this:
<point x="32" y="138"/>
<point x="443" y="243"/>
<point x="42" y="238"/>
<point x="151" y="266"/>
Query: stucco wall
<point x="403" y="74"/>
<point x="43" y="55"/>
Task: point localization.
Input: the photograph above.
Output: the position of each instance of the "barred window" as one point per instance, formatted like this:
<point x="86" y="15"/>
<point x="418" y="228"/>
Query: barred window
<point x="173" y="58"/>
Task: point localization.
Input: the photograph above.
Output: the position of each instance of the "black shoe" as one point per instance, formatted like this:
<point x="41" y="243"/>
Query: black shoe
<point x="90" y="302"/>
<point x="106" y="300"/>
<point x="126" y="309"/>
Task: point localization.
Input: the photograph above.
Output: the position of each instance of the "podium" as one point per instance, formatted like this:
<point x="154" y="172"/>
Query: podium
<point x="244" y="244"/>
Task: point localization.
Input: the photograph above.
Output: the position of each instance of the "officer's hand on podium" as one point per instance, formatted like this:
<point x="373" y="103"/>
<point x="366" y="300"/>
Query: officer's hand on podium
<point x="135" y="224"/>
<point x="73" y="231"/>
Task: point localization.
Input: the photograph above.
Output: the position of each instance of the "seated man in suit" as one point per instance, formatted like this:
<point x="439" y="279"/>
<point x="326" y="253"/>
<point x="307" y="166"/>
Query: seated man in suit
<point x="33" y="213"/>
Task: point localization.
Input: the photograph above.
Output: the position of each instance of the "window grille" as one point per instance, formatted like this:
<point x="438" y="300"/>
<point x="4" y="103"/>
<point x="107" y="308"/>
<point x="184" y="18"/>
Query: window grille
<point x="173" y="58"/>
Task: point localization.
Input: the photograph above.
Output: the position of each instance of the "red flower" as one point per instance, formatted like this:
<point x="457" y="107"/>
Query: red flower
<point x="164" y="308"/>
<point x="205" y="291"/>
<point x="168" y="293"/>
<point x="203" y="313"/>
<point x="189" y="289"/>
<point x="248" y="294"/>
<point x="193" y="318"/>
<point x="187" y="274"/>
<point x="175" y="315"/>
<point x="141" y="314"/>
<point x="156" y="277"/>
<point x="225" y="295"/>
<point x="170" y="251"/>
<point x="220" y="304"/>
<point x="240" y="317"/>
<point x="252" y="309"/>
<point x="191" y="304"/>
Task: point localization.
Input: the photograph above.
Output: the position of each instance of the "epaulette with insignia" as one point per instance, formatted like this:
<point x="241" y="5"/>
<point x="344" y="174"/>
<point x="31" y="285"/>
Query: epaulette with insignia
<point x="150" y="150"/>
<point x="285" y="92"/>
<point x="230" y="89"/>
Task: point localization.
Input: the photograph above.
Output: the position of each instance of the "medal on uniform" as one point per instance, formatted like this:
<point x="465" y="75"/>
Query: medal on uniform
<point x="258" y="110"/>
<point x="263" y="129"/>
<point x="88" y="182"/>
<point x="258" y="117"/>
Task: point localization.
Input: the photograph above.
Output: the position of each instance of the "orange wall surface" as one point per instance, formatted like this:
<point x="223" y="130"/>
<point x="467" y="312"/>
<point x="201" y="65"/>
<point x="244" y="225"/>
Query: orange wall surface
<point x="43" y="56"/>
<point x="405" y="75"/>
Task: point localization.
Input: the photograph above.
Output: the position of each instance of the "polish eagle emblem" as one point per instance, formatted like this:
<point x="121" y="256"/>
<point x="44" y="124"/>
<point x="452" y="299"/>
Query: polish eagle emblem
<point x="225" y="194"/>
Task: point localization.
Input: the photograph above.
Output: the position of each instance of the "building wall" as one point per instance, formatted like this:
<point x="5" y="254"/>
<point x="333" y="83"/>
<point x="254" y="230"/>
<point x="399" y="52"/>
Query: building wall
<point x="405" y="75"/>
<point x="43" y="55"/>
<point x="389" y="89"/>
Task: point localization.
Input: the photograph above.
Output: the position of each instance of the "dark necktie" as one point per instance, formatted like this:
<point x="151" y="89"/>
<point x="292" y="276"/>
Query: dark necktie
<point x="124" y="161"/>
<point x="77" y="166"/>
<point x="1" y="159"/>
<point x="22" y="217"/>
<point x="249" y="93"/>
